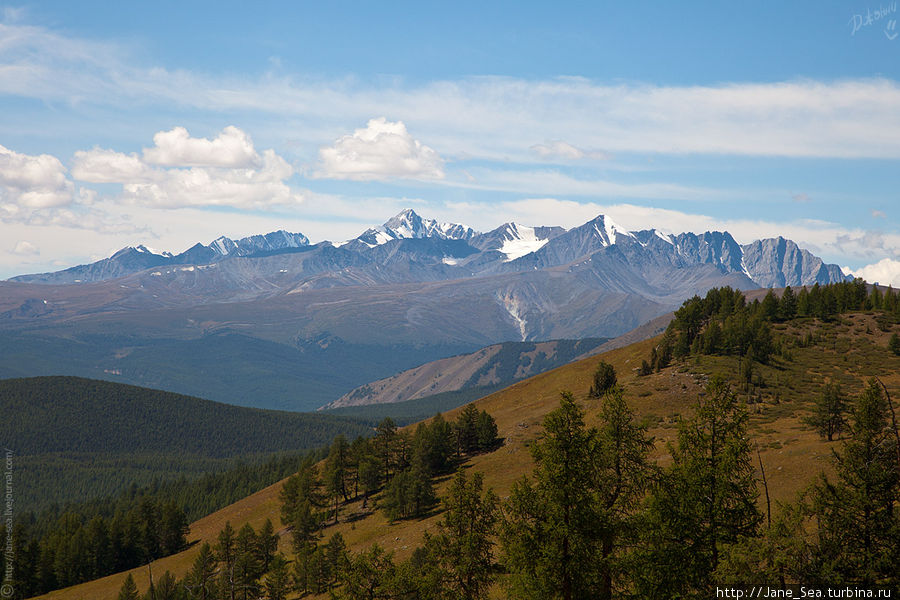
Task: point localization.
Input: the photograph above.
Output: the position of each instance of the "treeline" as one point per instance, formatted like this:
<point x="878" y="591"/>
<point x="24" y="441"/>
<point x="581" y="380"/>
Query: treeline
<point x="724" y="323"/>
<point x="74" y="550"/>
<point x="78" y="542"/>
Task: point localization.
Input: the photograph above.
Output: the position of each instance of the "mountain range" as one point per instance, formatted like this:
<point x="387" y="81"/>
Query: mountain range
<point x="277" y="322"/>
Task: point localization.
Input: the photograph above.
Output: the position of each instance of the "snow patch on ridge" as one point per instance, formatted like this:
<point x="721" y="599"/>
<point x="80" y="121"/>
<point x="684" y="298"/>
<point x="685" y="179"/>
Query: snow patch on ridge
<point x="520" y="240"/>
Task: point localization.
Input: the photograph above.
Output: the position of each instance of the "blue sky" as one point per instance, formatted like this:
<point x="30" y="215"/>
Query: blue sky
<point x="167" y="123"/>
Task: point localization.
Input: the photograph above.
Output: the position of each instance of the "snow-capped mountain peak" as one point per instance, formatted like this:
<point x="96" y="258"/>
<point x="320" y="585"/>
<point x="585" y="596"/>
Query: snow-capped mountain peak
<point x="609" y="230"/>
<point x="409" y="225"/>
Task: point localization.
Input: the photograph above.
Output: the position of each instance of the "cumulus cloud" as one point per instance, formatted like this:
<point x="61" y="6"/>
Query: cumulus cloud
<point x="559" y="149"/>
<point x="232" y="148"/>
<point x="182" y="171"/>
<point x="107" y="166"/>
<point x="381" y="150"/>
<point x="30" y="182"/>
<point x="25" y="248"/>
<point x="885" y="272"/>
<point x="239" y="188"/>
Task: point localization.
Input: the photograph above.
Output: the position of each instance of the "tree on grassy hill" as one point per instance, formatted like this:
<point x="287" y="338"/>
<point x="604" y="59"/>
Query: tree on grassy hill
<point x="828" y="414"/>
<point x="129" y="589"/>
<point x="201" y="580"/>
<point x="858" y="514"/>
<point x="604" y="379"/>
<point x="278" y="579"/>
<point x="459" y="555"/>
<point x="894" y="344"/>
<point x="705" y="500"/>
<point x="564" y="530"/>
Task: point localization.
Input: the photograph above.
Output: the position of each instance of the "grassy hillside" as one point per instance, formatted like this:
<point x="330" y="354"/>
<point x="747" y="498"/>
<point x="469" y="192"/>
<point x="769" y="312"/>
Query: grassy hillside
<point x="75" y="438"/>
<point x="849" y="349"/>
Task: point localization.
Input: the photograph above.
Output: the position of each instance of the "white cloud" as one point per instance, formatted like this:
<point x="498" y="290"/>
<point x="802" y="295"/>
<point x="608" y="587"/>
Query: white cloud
<point x="801" y="198"/>
<point x="559" y="149"/>
<point x="230" y="173"/>
<point x="107" y="166"/>
<point x="31" y="182"/>
<point x="878" y="214"/>
<point x="382" y="150"/>
<point x="25" y="248"/>
<point x="232" y="148"/>
<point x="885" y="272"/>
<point x="238" y="188"/>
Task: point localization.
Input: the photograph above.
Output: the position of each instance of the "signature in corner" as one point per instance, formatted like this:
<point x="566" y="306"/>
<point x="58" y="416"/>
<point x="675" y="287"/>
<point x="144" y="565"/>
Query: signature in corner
<point x="860" y="21"/>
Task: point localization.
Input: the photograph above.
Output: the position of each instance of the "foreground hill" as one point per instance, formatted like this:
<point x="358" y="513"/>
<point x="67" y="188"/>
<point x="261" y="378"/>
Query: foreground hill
<point x="76" y="438"/>
<point x="848" y="349"/>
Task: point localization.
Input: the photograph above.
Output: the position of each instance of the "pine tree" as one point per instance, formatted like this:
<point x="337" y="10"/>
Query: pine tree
<point x="623" y="474"/>
<point x="167" y="588"/>
<point x="337" y="472"/>
<point x="552" y="525"/>
<point x="267" y="544"/>
<point x="486" y="431"/>
<point x="705" y="500"/>
<point x="467" y="430"/>
<point x="894" y="344"/>
<point x="460" y="553"/>
<point x="769" y="306"/>
<point x="247" y="568"/>
<point x="604" y="379"/>
<point x="370" y="576"/>
<point x="336" y="554"/>
<point x="859" y="516"/>
<point x="385" y="443"/>
<point x="201" y="580"/>
<point x="828" y="414"/>
<point x="129" y="589"/>
<point x="787" y="307"/>
<point x="277" y="581"/>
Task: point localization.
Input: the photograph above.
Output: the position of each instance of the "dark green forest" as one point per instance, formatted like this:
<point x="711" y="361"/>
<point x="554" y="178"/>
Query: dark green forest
<point x="74" y="439"/>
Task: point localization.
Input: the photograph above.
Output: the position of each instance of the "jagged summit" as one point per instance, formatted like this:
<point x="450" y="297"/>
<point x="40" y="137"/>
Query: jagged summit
<point x="407" y="224"/>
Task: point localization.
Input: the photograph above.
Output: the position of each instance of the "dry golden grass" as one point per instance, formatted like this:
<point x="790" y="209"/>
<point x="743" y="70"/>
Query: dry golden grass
<point x="792" y="454"/>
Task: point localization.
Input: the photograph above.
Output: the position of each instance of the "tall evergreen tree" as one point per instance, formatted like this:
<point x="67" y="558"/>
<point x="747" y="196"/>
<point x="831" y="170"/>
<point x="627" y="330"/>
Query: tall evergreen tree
<point x="267" y="544"/>
<point x="828" y="414"/>
<point x="604" y="379"/>
<point x="129" y="589"/>
<point x="705" y="500"/>
<point x="201" y="580"/>
<point x="277" y="581"/>
<point x="552" y="525"/>
<point x="858" y="514"/>
<point x="461" y="552"/>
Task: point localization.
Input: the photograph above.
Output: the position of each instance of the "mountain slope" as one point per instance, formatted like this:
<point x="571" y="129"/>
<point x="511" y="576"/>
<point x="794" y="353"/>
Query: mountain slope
<point x="499" y="364"/>
<point x="791" y="452"/>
